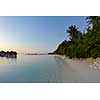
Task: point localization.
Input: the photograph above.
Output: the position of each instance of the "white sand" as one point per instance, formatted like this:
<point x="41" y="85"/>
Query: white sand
<point x="78" y="71"/>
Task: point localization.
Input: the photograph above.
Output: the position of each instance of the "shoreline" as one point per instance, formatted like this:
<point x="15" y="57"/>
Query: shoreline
<point x="78" y="71"/>
<point x="93" y="63"/>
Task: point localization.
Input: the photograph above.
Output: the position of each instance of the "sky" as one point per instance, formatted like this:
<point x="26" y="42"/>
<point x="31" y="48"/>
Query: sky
<point x="36" y="34"/>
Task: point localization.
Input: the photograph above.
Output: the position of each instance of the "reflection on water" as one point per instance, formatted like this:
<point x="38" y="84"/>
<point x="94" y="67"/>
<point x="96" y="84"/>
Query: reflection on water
<point x="5" y="60"/>
<point x="27" y="68"/>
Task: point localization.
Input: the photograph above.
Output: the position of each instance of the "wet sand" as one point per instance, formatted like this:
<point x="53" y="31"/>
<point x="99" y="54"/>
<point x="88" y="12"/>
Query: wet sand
<point x="75" y="71"/>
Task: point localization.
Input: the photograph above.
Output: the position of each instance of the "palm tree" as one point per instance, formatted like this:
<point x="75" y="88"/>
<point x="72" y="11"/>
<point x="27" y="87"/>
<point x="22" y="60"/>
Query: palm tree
<point x="93" y="21"/>
<point x="74" y="33"/>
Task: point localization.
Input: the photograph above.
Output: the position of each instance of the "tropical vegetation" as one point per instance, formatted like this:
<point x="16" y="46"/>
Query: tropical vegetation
<point x="79" y="44"/>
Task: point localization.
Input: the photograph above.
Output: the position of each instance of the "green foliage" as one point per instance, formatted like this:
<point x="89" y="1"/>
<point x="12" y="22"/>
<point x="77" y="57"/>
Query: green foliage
<point x="93" y="21"/>
<point x="82" y="45"/>
<point x="61" y="48"/>
<point x="74" y="33"/>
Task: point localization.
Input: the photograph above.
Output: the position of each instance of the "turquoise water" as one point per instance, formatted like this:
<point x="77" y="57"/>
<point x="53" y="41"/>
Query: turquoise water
<point x="30" y="69"/>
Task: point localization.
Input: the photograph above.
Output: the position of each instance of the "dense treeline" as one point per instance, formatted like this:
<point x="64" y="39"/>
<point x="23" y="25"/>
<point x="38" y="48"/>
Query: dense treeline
<point x="82" y="45"/>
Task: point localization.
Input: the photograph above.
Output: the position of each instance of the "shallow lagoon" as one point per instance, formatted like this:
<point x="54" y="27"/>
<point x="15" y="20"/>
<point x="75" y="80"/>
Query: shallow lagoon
<point x="30" y="69"/>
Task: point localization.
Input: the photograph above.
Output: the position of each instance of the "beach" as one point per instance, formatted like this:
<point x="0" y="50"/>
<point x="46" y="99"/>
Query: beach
<point x="77" y="71"/>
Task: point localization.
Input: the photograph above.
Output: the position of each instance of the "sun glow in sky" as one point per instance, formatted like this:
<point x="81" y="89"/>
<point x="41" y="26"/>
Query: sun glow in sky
<point x="35" y="34"/>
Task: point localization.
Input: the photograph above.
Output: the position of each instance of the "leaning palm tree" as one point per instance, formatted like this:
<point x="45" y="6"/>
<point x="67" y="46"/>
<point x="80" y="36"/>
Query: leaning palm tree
<point x="93" y="21"/>
<point x="74" y="33"/>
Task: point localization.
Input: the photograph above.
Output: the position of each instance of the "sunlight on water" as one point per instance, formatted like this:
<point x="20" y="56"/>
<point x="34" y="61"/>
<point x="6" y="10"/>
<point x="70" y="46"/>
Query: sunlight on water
<point x="30" y="68"/>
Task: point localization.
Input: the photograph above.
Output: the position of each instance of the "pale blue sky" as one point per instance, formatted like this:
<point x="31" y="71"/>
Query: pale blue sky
<point x="36" y="34"/>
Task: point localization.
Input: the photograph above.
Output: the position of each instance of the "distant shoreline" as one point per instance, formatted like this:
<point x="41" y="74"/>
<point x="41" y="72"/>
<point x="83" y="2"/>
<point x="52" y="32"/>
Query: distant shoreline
<point x="36" y="54"/>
